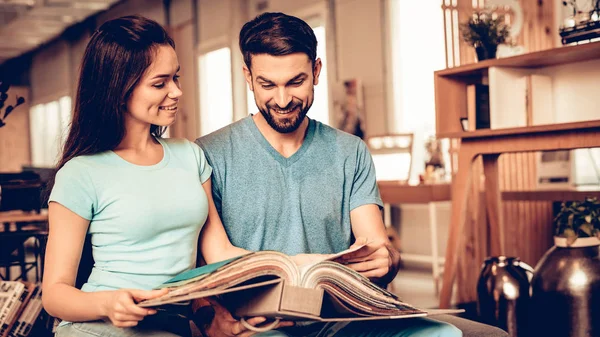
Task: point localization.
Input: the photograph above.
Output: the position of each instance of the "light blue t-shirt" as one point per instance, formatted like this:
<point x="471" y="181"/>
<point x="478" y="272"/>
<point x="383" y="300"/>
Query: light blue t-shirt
<point x="144" y="220"/>
<point x="299" y="204"/>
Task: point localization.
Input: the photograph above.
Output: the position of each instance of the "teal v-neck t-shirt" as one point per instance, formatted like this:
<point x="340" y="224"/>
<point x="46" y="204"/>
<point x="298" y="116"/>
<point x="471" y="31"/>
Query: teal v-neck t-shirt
<point x="299" y="204"/>
<point x="144" y="220"/>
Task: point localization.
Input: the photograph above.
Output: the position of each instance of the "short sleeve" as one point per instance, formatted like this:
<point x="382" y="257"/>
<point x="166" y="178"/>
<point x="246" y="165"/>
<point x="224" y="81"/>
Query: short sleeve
<point x="74" y="189"/>
<point x="209" y="152"/>
<point x="204" y="169"/>
<point x="364" y="185"/>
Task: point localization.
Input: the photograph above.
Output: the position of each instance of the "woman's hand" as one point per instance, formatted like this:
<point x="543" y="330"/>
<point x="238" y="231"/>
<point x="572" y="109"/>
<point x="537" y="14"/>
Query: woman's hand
<point x="121" y="309"/>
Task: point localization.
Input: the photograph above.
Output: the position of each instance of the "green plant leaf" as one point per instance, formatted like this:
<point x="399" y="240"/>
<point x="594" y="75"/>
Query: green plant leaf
<point x="8" y="110"/>
<point x="570" y="220"/>
<point x="587" y="229"/>
<point x="571" y="236"/>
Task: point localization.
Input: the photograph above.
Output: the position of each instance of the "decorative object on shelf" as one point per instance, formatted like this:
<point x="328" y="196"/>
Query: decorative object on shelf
<point x="581" y="25"/>
<point x="464" y="122"/>
<point x="503" y="294"/>
<point x="4" y="86"/>
<point x="506" y="50"/>
<point x="566" y="282"/>
<point x="434" y="161"/>
<point x="351" y="108"/>
<point x="478" y="106"/>
<point x="485" y="31"/>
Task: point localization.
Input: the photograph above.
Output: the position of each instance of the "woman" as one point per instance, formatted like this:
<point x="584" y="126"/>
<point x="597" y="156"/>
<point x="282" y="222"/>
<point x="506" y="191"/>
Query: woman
<point x="144" y="200"/>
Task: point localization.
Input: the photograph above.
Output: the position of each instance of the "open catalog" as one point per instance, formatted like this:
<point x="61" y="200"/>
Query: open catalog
<point x="270" y="284"/>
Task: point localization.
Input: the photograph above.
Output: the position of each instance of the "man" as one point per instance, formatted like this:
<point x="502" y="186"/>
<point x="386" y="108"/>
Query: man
<point x="284" y="182"/>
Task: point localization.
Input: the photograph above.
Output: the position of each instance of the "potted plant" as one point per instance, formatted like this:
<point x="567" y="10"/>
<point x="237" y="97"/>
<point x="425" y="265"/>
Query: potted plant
<point x="566" y="281"/>
<point x="578" y="224"/>
<point x="485" y="32"/>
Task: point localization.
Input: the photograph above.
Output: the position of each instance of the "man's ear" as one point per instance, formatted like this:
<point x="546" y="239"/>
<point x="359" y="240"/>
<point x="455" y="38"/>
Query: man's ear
<point x="248" y="76"/>
<point x="317" y="71"/>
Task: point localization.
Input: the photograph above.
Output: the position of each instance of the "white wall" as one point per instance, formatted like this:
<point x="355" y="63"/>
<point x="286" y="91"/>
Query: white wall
<point x="415" y="230"/>
<point x="359" y="40"/>
<point x="51" y="75"/>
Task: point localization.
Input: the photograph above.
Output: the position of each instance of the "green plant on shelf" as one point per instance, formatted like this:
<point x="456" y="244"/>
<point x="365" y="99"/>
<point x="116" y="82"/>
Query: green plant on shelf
<point x="578" y="219"/>
<point x="485" y="31"/>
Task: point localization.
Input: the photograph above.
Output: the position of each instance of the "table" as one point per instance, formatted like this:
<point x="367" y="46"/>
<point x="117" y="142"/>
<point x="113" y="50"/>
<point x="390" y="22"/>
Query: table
<point x="579" y="193"/>
<point x="13" y="226"/>
<point x="490" y="144"/>
<point x="21" y="218"/>
<point x="396" y="192"/>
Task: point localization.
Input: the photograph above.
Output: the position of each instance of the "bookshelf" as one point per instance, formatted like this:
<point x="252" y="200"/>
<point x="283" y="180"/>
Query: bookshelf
<point x="573" y="70"/>
<point x="451" y="84"/>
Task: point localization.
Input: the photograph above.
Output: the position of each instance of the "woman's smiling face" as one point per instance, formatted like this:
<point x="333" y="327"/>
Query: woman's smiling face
<point x="154" y="99"/>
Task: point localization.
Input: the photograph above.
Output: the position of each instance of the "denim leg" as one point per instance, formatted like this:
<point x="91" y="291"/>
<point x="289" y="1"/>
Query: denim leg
<point x="413" y="327"/>
<point x="272" y="333"/>
<point x="105" y="329"/>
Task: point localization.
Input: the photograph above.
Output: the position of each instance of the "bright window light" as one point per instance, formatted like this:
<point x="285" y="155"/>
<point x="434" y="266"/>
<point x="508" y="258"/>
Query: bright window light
<point x="49" y="126"/>
<point x="320" y="107"/>
<point x="216" y="97"/>
<point x="412" y="70"/>
<point x="250" y="102"/>
<point x="392" y="166"/>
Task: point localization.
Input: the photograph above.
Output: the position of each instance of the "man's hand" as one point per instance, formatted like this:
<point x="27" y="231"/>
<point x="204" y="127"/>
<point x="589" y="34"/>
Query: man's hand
<point x="377" y="260"/>
<point x="224" y="325"/>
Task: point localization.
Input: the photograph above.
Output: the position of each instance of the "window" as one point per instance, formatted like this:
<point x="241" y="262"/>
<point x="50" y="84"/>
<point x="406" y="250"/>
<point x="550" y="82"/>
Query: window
<point x="587" y="166"/>
<point x="216" y="97"/>
<point x="49" y="127"/>
<point x="414" y="58"/>
<point x="320" y="108"/>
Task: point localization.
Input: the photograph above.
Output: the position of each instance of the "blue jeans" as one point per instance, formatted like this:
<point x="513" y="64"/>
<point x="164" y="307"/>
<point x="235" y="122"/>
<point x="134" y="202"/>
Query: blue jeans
<point x="152" y="326"/>
<point x="413" y="327"/>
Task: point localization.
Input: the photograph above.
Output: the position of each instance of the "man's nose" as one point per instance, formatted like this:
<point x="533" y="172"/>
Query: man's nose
<point x="282" y="98"/>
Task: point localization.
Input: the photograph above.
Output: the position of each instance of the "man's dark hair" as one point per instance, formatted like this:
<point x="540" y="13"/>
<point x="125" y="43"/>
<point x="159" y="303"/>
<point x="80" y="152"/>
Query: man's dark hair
<point x="277" y="34"/>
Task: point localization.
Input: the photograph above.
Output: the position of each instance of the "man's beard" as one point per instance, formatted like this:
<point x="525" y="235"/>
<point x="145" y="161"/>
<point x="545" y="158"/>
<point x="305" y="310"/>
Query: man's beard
<point x="286" y="124"/>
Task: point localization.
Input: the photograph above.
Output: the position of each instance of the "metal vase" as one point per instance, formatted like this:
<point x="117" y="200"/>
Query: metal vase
<point x="566" y="291"/>
<point x="503" y="294"/>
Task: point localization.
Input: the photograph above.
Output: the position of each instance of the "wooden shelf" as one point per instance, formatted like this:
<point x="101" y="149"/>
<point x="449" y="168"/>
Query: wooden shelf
<point x="451" y="93"/>
<point x="552" y="195"/>
<point x="544" y="58"/>
<point x="530" y="130"/>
